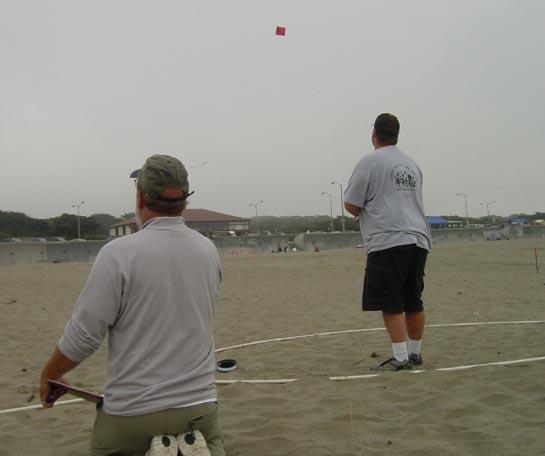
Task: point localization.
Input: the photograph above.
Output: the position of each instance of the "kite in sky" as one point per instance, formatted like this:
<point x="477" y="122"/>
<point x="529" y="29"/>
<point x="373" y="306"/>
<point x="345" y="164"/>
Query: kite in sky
<point x="280" y="31"/>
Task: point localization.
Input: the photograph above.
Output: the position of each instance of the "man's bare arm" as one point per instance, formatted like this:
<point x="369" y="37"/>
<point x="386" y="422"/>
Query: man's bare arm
<point x="354" y="210"/>
<point x="57" y="365"/>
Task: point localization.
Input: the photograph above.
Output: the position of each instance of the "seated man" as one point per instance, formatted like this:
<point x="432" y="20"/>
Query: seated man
<point x="153" y="293"/>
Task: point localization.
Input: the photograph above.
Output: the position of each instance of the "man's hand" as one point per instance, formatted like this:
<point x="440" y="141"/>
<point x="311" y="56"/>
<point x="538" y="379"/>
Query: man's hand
<point x="54" y="369"/>
<point x="49" y="394"/>
<point x="354" y="210"/>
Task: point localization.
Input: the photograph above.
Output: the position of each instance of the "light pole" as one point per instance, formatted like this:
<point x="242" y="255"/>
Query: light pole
<point x="342" y="203"/>
<point x="330" y="209"/>
<point x="467" y="213"/>
<point x="255" y="205"/>
<point x="77" y="206"/>
<point x="487" y="204"/>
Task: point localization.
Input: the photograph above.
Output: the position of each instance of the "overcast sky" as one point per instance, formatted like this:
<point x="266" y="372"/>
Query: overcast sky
<point x="89" y="89"/>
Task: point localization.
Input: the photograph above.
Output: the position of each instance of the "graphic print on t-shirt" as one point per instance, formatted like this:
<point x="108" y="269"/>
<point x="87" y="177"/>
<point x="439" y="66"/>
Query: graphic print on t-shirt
<point x="403" y="177"/>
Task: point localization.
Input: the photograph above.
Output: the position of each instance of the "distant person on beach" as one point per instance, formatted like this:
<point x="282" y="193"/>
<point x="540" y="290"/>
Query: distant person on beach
<point x="153" y="293"/>
<point x="385" y="193"/>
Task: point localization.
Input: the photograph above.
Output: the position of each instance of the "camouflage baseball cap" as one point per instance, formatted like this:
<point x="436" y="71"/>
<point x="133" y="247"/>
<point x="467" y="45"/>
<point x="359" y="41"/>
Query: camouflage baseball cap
<point x="163" y="178"/>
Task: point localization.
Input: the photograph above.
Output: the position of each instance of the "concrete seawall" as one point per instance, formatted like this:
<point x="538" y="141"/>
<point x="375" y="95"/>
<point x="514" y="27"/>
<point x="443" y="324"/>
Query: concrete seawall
<point x="456" y="235"/>
<point x="60" y="252"/>
<point x="327" y="241"/>
<point x="65" y="252"/>
<point x="50" y="252"/>
<point x="251" y="243"/>
<point x="14" y="253"/>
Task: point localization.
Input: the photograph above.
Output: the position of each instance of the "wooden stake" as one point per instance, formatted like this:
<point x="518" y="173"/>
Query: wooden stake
<point x="351" y="420"/>
<point x="537" y="263"/>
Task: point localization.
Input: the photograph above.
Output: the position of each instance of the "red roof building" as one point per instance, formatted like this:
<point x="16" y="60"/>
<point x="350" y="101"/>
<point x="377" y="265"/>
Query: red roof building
<point x="202" y="220"/>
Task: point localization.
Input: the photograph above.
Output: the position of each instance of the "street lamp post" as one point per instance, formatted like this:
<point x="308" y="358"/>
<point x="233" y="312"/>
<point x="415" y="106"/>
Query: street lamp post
<point x="487" y="204"/>
<point x="77" y="206"/>
<point x="255" y="205"/>
<point x="467" y="213"/>
<point x="342" y="203"/>
<point x="330" y="209"/>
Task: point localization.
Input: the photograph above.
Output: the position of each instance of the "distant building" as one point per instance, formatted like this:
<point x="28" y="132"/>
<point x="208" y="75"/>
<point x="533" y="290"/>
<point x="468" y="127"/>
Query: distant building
<point x="123" y="228"/>
<point x="456" y="224"/>
<point x="202" y="220"/>
<point x="520" y="221"/>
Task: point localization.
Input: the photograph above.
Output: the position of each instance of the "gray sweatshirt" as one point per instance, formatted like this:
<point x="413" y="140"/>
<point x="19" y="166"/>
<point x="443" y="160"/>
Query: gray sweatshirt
<point x="153" y="293"/>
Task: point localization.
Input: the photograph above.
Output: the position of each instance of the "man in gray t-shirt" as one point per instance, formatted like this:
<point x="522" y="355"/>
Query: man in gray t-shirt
<point x="385" y="193"/>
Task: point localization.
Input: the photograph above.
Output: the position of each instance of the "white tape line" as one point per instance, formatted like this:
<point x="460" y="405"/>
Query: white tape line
<point x="273" y="381"/>
<point x="282" y="339"/>
<point x="486" y="323"/>
<point x="39" y="406"/>
<point x="349" y="377"/>
<point x="497" y="363"/>
<point x="353" y="377"/>
<point x="346" y="331"/>
<point x="447" y="369"/>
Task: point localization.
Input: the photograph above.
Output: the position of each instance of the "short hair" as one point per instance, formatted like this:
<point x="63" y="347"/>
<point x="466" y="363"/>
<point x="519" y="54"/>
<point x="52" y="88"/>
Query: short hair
<point x="387" y="129"/>
<point x="162" y="206"/>
<point x="383" y="139"/>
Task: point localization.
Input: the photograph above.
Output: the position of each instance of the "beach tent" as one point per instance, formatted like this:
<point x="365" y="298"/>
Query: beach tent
<point x="436" y="222"/>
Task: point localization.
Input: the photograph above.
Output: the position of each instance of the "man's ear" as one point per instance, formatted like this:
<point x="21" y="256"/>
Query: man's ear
<point x="140" y="200"/>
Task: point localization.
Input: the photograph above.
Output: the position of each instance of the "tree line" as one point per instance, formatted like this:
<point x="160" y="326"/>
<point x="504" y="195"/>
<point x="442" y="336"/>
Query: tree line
<point x="301" y="224"/>
<point x="18" y="225"/>
<point x="96" y="226"/>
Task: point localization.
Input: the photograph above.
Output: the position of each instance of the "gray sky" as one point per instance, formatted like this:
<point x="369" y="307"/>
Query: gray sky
<point x="89" y="89"/>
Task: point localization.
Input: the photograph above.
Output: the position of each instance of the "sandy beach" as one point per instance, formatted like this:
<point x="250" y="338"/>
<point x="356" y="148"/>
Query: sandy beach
<point x="496" y="409"/>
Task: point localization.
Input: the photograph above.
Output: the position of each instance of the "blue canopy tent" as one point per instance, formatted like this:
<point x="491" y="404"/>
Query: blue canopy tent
<point x="436" y="222"/>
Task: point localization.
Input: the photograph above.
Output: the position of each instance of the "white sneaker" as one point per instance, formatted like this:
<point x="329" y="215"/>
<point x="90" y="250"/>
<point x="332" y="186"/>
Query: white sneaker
<point x="163" y="445"/>
<point x="190" y="447"/>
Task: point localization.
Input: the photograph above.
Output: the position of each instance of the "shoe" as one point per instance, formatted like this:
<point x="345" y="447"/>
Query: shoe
<point x="163" y="445"/>
<point x="192" y="443"/>
<point x="393" y="365"/>
<point x="414" y="359"/>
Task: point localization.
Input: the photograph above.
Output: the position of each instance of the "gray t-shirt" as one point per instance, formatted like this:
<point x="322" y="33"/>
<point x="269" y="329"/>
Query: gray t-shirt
<point x="387" y="185"/>
<point x="153" y="294"/>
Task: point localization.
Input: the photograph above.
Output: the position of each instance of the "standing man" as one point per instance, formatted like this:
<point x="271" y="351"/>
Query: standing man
<point x="153" y="293"/>
<point x="385" y="192"/>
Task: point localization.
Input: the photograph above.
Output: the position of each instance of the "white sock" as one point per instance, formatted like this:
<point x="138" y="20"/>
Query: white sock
<point x="415" y="346"/>
<point x="400" y="351"/>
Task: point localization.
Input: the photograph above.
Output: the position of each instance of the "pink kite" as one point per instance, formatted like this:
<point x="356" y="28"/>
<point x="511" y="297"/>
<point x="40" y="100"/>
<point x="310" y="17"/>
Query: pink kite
<point x="280" y="31"/>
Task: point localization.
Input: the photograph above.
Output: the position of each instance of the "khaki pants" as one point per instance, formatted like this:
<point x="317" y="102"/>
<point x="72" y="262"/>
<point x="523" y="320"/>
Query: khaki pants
<point x="131" y="435"/>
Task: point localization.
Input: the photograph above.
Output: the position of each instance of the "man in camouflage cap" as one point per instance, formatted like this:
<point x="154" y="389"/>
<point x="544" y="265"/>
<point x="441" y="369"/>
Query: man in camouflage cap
<point x="153" y="293"/>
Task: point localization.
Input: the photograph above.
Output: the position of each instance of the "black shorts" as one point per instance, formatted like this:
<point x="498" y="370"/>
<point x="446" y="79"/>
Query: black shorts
<point x="394" y="279"/>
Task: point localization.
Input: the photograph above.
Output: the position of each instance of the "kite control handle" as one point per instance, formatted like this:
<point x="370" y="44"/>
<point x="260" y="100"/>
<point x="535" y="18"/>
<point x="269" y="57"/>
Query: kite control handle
<point x="56" y="392"/>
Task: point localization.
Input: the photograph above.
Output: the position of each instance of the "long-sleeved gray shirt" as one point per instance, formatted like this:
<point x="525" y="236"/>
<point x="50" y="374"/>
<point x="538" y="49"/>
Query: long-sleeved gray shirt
<point x="153" y="293"/>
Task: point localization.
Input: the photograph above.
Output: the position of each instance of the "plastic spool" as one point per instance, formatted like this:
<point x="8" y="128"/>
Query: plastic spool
<point x="227" y="365"/>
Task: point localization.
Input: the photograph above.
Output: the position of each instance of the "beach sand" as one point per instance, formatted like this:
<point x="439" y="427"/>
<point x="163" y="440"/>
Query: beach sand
<point x="481" y="411"/>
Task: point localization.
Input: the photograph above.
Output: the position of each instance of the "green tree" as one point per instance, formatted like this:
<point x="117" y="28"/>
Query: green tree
<point x="17" y="224"/>
<point x="65" y="225"/>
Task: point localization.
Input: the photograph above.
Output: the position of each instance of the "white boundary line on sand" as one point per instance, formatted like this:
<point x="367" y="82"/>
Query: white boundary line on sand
<point x="446" y="369"/>
<point x="348" y="377"/>
<point x="291" y="380"/>
<point x="277" y="381"/>
<point x="347" y="331"/>
<point x="39" y="406"/>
